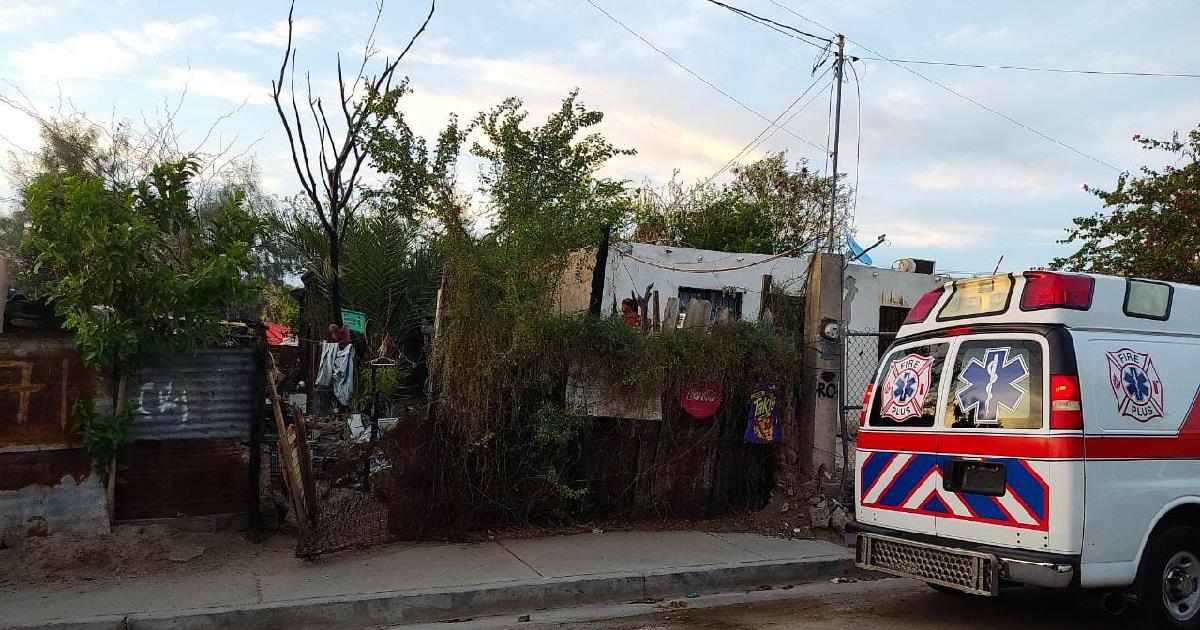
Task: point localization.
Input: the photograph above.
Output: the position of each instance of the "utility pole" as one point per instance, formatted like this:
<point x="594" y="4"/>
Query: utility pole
<point x="837" y="132"/>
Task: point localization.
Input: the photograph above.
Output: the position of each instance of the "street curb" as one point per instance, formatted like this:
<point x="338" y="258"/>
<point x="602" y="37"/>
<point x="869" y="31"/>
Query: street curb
<point x="429" y="605"/>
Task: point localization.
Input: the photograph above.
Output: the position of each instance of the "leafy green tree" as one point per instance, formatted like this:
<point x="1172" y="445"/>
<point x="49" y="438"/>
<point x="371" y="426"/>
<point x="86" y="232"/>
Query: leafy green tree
<point x="119" y="156"/>
<point x="133" y="272"/>
<point x="1152" y="225"/>
<point x="770" y="206"/>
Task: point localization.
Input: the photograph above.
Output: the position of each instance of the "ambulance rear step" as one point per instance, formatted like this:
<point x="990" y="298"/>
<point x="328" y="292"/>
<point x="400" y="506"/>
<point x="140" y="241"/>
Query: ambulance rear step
<point x="967" y="571"/>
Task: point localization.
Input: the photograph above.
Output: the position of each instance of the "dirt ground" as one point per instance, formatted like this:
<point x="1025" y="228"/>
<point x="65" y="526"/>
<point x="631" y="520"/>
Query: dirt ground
<point x="131" y="551"/>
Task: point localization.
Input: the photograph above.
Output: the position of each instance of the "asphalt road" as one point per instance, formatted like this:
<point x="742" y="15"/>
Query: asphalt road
<point x="881" y="605"/>
<point x="914" y="606"/>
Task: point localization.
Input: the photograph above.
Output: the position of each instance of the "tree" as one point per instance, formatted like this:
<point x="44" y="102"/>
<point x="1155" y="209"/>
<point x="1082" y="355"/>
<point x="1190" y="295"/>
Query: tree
<point x="769" y="207"/>
<point x="122" y="154"/>
<point x="133" y="272"/>
<point x="333" y="191"/>
<point x="1152" y="228"/>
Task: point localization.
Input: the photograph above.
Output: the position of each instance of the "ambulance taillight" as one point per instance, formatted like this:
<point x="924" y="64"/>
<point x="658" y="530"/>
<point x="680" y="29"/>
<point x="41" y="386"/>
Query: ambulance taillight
<point x="1046" y="289"/>
<point x="924" y="306"/>
<point x="862" y="415"/>
<point x="1066" y="404"/>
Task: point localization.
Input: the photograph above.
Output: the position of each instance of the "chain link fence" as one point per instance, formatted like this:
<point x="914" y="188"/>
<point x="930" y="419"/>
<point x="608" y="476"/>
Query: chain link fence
<point x="861" y="353"/>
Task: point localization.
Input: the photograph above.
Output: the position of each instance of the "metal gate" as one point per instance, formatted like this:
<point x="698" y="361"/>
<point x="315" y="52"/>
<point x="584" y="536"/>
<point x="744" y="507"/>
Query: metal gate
<point x="861" y="352"/>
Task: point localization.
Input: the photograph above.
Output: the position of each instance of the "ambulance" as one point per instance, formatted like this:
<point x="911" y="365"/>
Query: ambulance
<point x="1040" y="428"/>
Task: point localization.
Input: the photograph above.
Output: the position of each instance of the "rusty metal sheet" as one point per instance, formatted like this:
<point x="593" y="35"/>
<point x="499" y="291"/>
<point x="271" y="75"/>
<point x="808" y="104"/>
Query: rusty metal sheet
<point x="40" y="374"/>
<point x="206" y="395"/>
<point x="43" y="468"/>
<point x="164" y="478"/>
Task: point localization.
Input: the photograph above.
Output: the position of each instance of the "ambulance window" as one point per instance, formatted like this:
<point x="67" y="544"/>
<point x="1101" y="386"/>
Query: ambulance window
<point x="1151" y="300"/>
<point x="907" y="390"/>
<point x="997" y="385"/>
<point x="978" y="297"/>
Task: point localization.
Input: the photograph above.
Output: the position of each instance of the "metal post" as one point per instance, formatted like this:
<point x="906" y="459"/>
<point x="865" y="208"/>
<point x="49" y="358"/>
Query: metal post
<point x="837" y="132"/>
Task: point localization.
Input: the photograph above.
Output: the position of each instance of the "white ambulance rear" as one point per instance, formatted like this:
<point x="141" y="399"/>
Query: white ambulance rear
<point x="1040" y="428"/>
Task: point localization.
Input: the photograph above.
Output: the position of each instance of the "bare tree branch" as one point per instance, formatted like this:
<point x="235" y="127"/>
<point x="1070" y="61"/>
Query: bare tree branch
<point x="338" y="162"/>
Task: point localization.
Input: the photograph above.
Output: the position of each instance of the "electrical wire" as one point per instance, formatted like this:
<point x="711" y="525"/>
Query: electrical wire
<point x="652" y="263"/>
<point x="947" y="88"/>
<point x="710" y="84"/>
<point x="772" y="128"/>
<point x="775" y="26"/>
<point x="1000" y="66"/>
<point x="857" y="143"/>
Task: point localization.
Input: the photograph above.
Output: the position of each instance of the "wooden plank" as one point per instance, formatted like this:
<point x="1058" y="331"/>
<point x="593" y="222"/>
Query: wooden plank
<point x="671" y="314"/>
<point x="696" y="313"/>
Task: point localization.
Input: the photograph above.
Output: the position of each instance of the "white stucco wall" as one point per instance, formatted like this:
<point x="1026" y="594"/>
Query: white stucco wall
<point x="624" y="274"/>
<point x="866" y="288"/>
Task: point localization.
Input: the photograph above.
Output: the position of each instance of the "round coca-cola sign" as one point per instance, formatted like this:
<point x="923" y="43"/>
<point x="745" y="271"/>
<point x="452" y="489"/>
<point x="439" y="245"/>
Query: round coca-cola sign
<point x="701" y="400"/>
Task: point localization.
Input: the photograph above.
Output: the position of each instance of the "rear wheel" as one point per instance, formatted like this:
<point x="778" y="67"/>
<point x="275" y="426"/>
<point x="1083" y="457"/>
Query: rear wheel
<point x="1170" y="580"/>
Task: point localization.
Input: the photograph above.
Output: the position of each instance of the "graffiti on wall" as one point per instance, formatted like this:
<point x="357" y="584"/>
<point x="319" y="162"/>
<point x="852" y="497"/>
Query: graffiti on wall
<point x="39" y="379"/>
<point x="154" y="399"/>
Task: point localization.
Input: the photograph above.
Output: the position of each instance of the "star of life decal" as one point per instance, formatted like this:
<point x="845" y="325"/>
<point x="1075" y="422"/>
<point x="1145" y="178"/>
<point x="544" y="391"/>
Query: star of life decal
<point x="998" y="382"/>
<point x="1136" y="384"/>
<point x="905" y="386"/>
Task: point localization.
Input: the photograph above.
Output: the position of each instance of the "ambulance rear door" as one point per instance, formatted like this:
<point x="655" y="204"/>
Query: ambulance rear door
<point x="1005" y="477"/>
<point x="897" y="457"/>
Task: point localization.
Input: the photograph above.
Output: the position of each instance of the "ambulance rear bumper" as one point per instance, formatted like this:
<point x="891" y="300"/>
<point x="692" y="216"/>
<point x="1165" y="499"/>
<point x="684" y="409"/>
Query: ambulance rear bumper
<point x="972" y="568"/>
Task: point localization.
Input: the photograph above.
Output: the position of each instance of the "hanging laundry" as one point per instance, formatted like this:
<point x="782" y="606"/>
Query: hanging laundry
<point x="336" y="370"/>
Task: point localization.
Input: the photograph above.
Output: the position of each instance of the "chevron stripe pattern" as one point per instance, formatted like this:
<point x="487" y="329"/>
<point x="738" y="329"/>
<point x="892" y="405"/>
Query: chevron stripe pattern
<point x="912" y="483"/>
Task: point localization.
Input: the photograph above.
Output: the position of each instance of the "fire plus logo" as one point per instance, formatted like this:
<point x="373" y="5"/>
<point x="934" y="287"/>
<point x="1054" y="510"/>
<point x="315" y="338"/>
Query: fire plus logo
<point x="1136" y="384"/>
<point x="905" y="386"/>
<point x="997" y="382"/>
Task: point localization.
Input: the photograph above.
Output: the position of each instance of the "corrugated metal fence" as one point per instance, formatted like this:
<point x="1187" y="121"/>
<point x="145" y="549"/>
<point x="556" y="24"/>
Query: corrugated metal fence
<point x="192" y="420"/>
<point x="206" y="395"/>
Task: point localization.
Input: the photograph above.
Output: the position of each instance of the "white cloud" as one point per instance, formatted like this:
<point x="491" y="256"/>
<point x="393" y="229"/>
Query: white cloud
<point x="971" y="36"/>
<point x="21" y="15"/>
<point x="275" y="36"/>
<point x="90" y="55"/>
<point x="220" y="83"/>
<point x="979" y="177"/>
<point x="156" y="37"/>
<point x="99" y="55"/>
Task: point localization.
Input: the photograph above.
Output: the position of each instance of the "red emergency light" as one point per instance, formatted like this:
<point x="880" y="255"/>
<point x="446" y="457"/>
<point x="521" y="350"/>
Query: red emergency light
<point x="1046" y="289"/>
<point x="924" y="306"/>
<point x="1066" y="403"/>
<point x="862" y="415"/>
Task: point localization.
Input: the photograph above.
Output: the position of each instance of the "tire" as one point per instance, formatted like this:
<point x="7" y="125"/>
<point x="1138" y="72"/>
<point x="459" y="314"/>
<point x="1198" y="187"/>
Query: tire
<point x="1169" y="591"/>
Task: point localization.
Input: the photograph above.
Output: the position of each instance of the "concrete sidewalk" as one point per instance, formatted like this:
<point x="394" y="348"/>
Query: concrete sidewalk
<point x="420" y="582"/>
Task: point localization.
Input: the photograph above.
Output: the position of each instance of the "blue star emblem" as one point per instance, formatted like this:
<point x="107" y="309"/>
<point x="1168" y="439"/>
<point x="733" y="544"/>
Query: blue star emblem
<point x="995" y="383"/>
<point x="906" y="385"/>
<point x="1137" y="384"/>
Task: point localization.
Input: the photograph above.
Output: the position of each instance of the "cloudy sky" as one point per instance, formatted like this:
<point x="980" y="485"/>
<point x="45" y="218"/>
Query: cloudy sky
<point x="941" y="176"/>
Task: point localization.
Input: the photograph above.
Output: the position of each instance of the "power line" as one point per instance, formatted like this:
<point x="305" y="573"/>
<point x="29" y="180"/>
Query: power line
<point x="978" y="104"/>
<point x="772" y="128"/>
<point x="775" y="26"/>
<point x="698" y="77"/>
<point x="998" y="66"/>
<point x="857" y="140"/>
